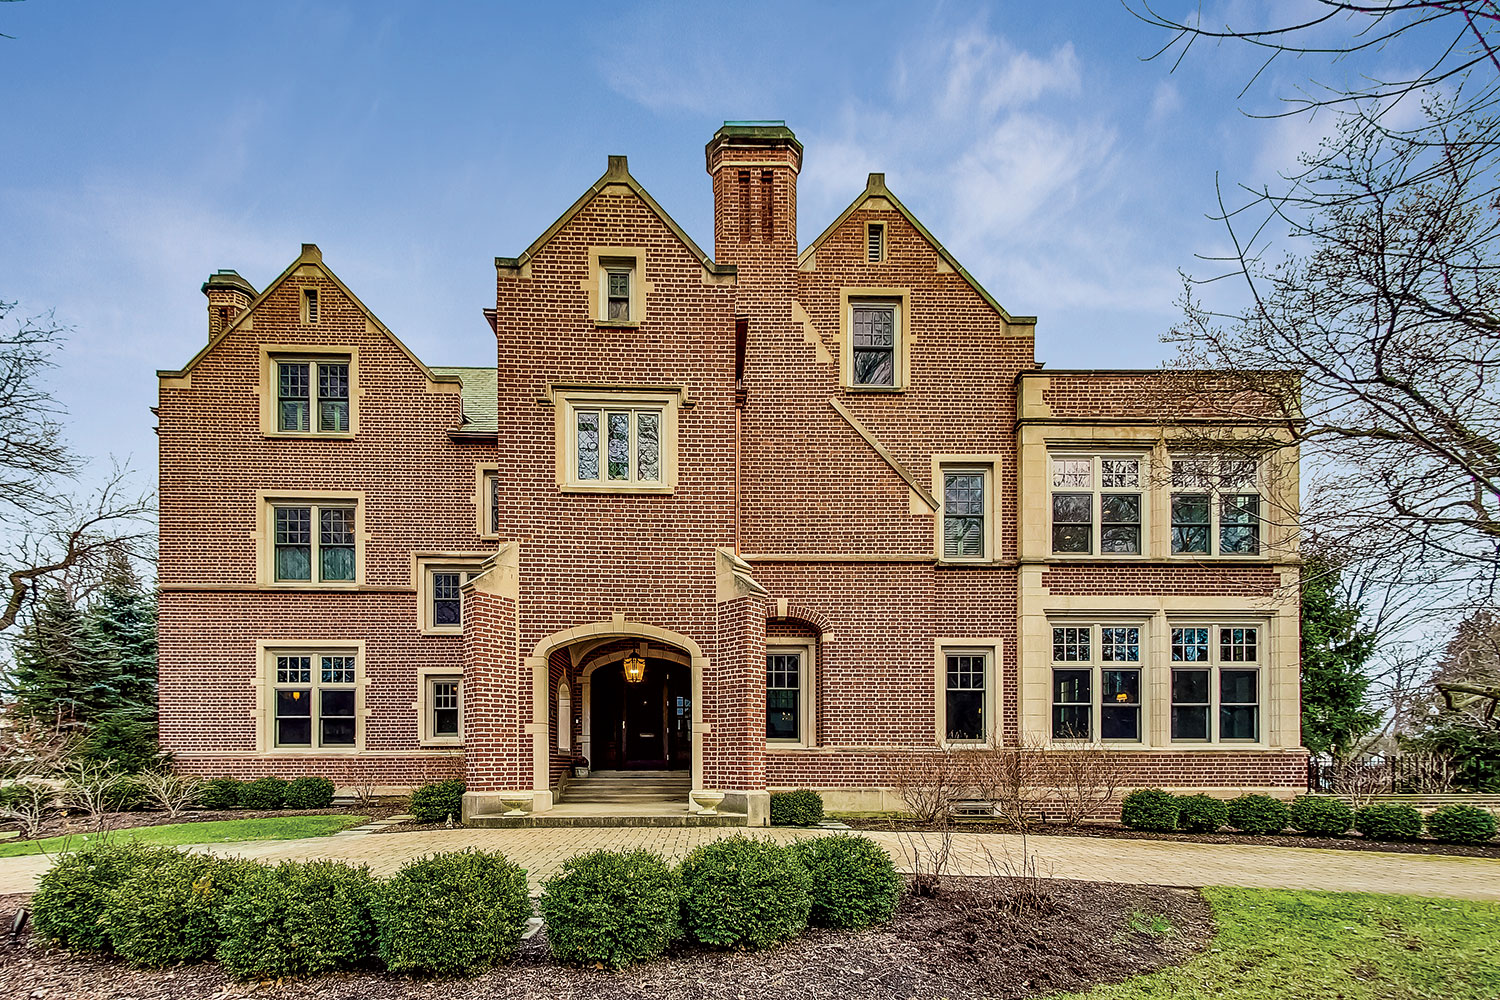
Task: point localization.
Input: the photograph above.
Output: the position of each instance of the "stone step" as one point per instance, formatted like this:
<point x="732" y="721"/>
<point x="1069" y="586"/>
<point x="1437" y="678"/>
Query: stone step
<point x="496" y="821"/>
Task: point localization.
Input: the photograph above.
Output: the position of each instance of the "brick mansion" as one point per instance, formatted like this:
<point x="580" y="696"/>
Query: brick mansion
<point x="780" y="516"/>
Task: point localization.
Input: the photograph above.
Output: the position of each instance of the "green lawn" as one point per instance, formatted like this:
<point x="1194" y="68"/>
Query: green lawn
<point x="1278" y="945"/>
<point x="216" y="832"/>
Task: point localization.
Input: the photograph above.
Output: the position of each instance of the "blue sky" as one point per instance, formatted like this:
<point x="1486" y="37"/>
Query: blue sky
<point x="151" y="143"/>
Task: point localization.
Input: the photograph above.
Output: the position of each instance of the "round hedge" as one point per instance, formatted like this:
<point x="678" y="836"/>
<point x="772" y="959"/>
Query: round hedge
<point x="1321" y="815"/>
<point x="451" y="914"/>
<point x="1150" y="809"/>
<point x="1201" y="813"/>
<point x="68" y="905"/>
<point x="1258" y="815"/>
<point x="1462" y="824"/>
<point x="1388" y="821"/>
<point x="220" y="793"/>
<point x="800" y="808"/>
<point x="308" y="793"/>
<point x="851" y="880"/>
<point x="611" y="908"/>
<point x="743" y="892"/>
<point x="297" y="919"/>
<point x="436" y="801"/>
<point x="169" y="913"/>
<point x="263" y="793"/>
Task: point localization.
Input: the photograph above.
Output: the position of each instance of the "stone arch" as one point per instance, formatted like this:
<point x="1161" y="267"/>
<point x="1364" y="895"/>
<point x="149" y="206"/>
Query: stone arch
<point x="616" y="628"/>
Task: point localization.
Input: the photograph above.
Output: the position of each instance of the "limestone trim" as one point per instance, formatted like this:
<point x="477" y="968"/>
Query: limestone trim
<point x="484" y="499"/>
<point x="733" y="579"/>
<point x="884" y="453"/>
<point x="424" y="565"/>
<point x="426" y="675"/>
<point x="990" y="648"/>
<point x="988" y="466"/>
<point x="266" y="502"/>
<point x="602" y="260"/>
<point x="264" y="685"/>
<point x="565" y="424"/>
<point x="900" y="299"/>
<point x="266" y="387"/>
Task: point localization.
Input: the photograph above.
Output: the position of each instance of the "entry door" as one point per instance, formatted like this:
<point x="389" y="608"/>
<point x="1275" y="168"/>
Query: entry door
<point x="645" y="720"/>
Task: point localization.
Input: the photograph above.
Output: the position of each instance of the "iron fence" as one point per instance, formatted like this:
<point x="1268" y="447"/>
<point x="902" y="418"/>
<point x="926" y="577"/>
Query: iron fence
<point x="1379" y="774"/>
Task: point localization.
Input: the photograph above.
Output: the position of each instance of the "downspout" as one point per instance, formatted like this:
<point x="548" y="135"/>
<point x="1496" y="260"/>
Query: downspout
<point x="741" y="332"/>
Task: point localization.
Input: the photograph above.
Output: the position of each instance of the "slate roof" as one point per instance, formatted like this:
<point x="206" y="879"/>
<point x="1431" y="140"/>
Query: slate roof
<point x="479" y="395"/>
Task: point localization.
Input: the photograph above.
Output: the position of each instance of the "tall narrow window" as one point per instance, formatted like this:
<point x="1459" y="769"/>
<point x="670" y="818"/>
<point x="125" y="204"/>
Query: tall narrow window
<point x="1216" y="683"/>
<point x="784" y="696"/>
<point x="746" y="224"/>
<point x="617" y="292"/>
<point x="1120" y="684"/>
<point x="874" y="343"/>
<point x="875" y="242"/>
<point x="767" y="205"/>
<point x="1239" y="524"/>
<point x="314" y="697"/>
<point x="333" y="397"/>
<point x="964" y="718"/>
<point x="314" y="543"/>
<point x="309" y="305"/>
<point x="490" y="497"/>
<point x="963" y="515"/>
<point x="292" y="392"/>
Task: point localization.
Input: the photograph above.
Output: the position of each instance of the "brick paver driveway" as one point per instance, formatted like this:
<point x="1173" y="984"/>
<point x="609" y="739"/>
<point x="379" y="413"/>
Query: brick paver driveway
<point x="541" y="851"/>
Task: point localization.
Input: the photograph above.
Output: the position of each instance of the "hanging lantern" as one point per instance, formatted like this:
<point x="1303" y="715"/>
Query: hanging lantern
<point x="635" y="668"/>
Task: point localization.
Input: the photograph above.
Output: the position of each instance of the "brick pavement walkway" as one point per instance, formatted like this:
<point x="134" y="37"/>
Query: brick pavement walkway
<point x="542" y="851"/>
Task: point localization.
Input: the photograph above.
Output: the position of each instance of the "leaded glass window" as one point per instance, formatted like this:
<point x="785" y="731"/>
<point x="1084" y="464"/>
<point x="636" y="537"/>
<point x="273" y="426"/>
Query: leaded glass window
<point x="1120" y="645"/>
<point x="619" y="445"/>
<point x="588" y="444"/>
<point x="338" y="670"/>
<point x="617" y="289"/>
<point x="298" y="548"/>
<point x="631" y="445"/>
<point x="1071" y="644"/>
<point x="964" y="708"/>
<point x="648" y="445"/>
<point x="963" y="515"/>
<point x="447" y="602"/>
<point x="874" y="344"/>
<point x="783" y="695"/>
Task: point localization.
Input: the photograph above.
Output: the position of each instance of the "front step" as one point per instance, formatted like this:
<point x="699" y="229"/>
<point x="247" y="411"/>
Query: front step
<point x="625" y="788"/>
<point x="494" y="821"/>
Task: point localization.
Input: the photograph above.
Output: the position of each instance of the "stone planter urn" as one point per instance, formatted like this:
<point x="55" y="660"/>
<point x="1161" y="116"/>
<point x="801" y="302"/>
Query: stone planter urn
<point x="517" y="806"/>
<point x="580" y="770"/>
<point x="707" y="802"/>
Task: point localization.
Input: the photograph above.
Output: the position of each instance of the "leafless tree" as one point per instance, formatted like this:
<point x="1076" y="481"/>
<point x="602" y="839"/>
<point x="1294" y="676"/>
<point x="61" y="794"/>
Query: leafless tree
<point x="928" y="783"/>
<point x="1083" y="780"/>
<point x="56" y="534"/>
<point x="172" y="792"/>
<point x="28" y="803"/>
<point x="1013" y="779"/>
<point x="90" y="785"/>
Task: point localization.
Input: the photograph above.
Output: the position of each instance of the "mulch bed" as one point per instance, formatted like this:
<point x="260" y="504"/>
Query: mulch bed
<point x="959" y="944"/>
<point x="1349" y="842"/>
<point x="78" y="823"/>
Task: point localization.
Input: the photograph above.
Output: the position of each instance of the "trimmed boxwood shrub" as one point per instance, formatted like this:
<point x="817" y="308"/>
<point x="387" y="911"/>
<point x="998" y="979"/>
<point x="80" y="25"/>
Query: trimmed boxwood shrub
<point x="1388" y="821"/>
<point x="436" y="801"/>
<point x="611" y="908"/>
<point x="1462" y="824"/>
<point x="263" y="793"/>
<point x="1258" y="815"/>
<point x="308" y="793"/>
<point x="70" y="897"/>
<point x="298" y="918"/>
<point x="1321" y="815"/>
<point x="1150" y="809"/>
<point x="451" y="914"/>
<point x="800" y="808"/>
<point x="1201" y="813"/>
<point x="743" y="892"/>
<point x="851" y="880"/>
<point x="169" y="912"/>
<point x="220" y="793"/>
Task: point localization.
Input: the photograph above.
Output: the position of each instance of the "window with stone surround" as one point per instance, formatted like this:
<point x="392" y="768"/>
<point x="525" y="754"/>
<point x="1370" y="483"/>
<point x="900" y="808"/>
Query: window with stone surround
<point x="1097" y="683"/>
<point x="439" y="706"/>
<point x="874" y="332"/>
<point x="623" y="441"/>
<point x="440" y="582"/>
<point x="1216" y="682"/>
<point x="965" y="503"/>
<point x="1216" y="505"/>
<point x="314" y="696"/>
<point x="1097" y="504"/>
<point x="312" y="395"/>
<point x="966" y="683"/>
<point x="314" y="542"/>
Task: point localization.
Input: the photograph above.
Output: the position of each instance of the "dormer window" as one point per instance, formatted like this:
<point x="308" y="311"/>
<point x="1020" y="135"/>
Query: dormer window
<point x="309" y="305"/>
<point x="875" y="242"/>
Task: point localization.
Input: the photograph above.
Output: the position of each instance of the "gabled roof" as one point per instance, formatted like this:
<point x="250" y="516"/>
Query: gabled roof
<point x="875" y="188"/>
<point x="618" y="172"/>
<point x="310" y="255"/>
<point x="480" y="395"/>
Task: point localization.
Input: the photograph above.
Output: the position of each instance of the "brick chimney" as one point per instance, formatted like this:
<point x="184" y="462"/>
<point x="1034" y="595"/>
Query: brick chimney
<point x="228" y="296"/>
<point x="754" y="166"/>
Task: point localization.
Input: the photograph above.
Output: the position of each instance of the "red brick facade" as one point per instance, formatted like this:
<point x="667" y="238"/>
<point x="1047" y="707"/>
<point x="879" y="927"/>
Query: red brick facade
<point x="796" y="508"/>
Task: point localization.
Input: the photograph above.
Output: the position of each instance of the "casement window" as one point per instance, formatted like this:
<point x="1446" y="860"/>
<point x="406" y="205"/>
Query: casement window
<point x="1096" y="683"/>
<point x="312" y="396"/>
<point x="625" y="441"/>
<point x="874" y="333"/>
<point x="964" y="504"/>
<point x="310" y="306"/>
<point x="789" y="694"/>
<point x="314" y="542"/>
<point x="314" y="698"/>
<point x="875" y="242"/>
<point x="1216" y="506"/>
<point x="1216" y="675"/>
<point x="965" y="689"/>
<point x="1097" y="504"/>
<point x="440" y="593"/>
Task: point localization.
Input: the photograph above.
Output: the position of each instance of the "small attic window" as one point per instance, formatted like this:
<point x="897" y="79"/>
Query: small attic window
<point x="619" y="282"/>
<point x="309" y="305"/>
<point x="875" y="242"/>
